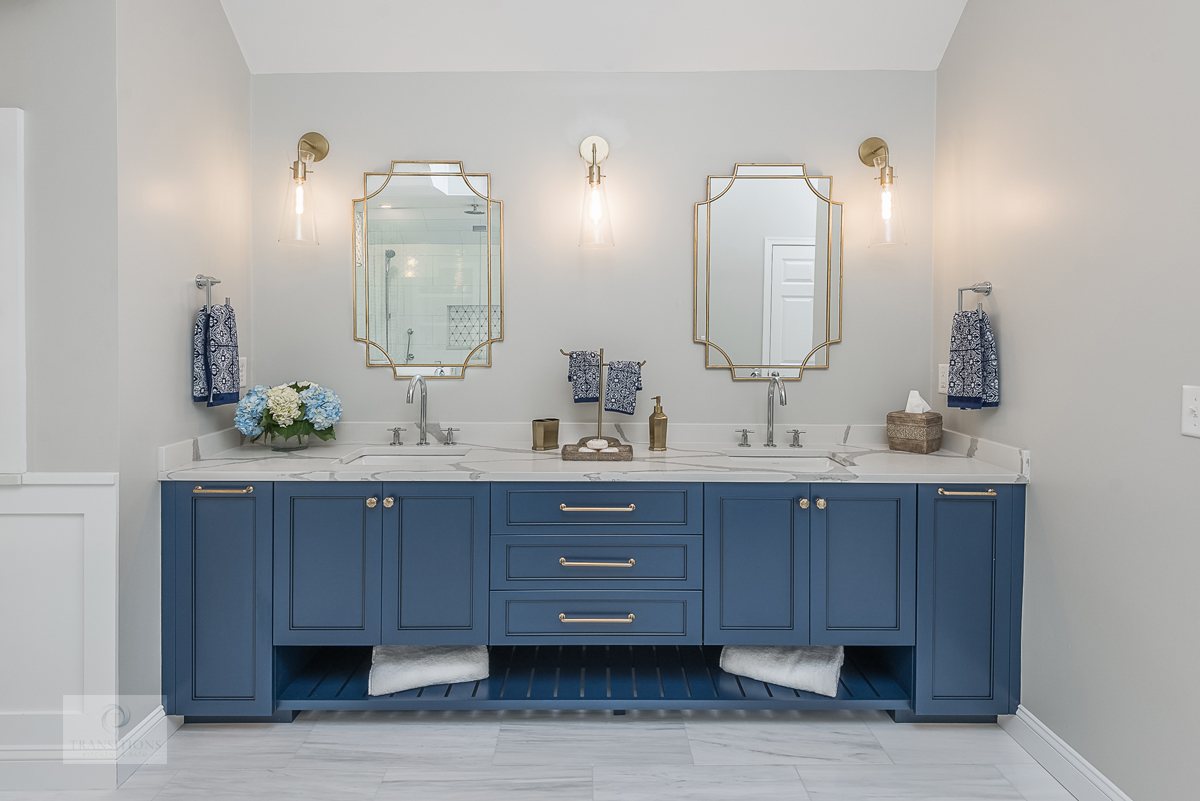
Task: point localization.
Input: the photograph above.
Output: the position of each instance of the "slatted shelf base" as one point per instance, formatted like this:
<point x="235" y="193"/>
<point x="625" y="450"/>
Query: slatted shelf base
<point x="589" y="677"/>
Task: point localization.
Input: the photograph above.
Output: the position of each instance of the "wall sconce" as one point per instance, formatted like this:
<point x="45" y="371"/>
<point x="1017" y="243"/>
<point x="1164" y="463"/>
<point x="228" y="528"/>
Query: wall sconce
<point x="887" y="227"/>
<point x="595" y="230"/>
<point x="299" y="225"/>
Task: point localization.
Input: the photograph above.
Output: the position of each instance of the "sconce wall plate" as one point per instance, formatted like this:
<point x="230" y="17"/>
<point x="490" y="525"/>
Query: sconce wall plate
<point x="872" y="149"/>
<point x="313" y="144"/>
<point x="585" y="148"/>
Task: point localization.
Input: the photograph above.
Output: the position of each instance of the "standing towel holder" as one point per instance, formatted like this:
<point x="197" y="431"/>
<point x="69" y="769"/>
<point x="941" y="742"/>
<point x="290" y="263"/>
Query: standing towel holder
<point x="982" y="288"/>
<point x="600" y="402"/>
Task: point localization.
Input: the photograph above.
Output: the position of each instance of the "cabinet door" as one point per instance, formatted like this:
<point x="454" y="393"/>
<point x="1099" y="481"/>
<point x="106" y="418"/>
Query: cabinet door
<point x="327" y="558"/>
<point x="864" y="564"/>
<point x="217" y="553"/>
<point x="435" y="564"/>
<point x="755" y="564"/>
<point x="965" y="566"/>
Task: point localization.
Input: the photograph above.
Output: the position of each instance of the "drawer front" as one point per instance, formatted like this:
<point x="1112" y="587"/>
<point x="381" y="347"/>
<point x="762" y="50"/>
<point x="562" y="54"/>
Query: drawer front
<point x="618" y="617"/>
<point x="612" y="508"/>
<point x="608" y="561"/>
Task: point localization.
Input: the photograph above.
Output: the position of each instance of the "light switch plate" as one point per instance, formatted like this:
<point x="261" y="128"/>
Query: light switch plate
<point x="1191" y="412"/>
<point x="242" y="371"/>
<point x="944" y="378"/>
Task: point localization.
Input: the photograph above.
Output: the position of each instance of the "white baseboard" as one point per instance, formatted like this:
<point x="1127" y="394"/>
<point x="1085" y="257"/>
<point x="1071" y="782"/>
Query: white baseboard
<point x="143" y="743"/>
<point x="1063" y="762"/>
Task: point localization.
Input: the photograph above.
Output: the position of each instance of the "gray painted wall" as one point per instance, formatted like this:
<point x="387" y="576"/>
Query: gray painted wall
<point x="1060" y="178"/>
<point x="184" y="119"/>
<point x="58" y="63"/>
<point x="667" y="132"/>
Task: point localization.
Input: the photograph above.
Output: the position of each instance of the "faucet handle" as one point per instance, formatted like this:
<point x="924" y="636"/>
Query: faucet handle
<point x="449" y="432"/>
<point x="795" y="432"/>
<point x="396" y="435"/>
<point x="745" y="432"/>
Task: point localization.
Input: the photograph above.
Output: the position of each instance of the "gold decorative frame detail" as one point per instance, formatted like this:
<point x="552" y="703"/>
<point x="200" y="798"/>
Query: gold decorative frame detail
<point x="493" y="336"/>
<point x="711" y="346"/>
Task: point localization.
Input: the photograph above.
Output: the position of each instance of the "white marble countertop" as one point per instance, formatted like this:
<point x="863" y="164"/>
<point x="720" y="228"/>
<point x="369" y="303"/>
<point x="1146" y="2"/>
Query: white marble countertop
<point x="861" y="457"/>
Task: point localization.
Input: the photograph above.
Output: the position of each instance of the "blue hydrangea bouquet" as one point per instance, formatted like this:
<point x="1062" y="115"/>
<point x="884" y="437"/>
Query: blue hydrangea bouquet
<point x="286" y="411"/>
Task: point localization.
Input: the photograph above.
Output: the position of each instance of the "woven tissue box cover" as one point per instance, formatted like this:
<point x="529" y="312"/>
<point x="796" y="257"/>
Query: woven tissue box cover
<point x="914" y="433"/>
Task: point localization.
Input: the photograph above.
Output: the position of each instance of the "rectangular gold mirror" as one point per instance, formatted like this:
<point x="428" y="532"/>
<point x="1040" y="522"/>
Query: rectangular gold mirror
<point x="428" y="269"/>
<point x="767" y="271"/>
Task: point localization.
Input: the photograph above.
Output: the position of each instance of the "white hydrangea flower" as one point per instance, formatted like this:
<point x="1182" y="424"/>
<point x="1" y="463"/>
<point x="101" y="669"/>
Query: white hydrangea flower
<point x="283" y="403"/>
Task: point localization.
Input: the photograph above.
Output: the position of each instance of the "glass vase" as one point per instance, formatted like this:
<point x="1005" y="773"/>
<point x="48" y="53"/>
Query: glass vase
<point x="296" y="443"/>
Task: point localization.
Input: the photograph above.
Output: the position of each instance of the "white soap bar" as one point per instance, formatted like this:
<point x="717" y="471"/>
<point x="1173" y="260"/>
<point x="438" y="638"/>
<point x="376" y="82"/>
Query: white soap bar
<point x="611" y="450"/>
<point x="597" y="444"/>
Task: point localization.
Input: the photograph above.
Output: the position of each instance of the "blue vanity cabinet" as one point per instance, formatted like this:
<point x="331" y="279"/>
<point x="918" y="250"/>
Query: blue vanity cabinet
<point x="756" y="564"/>
<point x="327" y="563"/>
<point x="864" y="564"/>
<point x="435" y="563"/>
<point x="216" y="567"/>
<point x="970" y="545"/>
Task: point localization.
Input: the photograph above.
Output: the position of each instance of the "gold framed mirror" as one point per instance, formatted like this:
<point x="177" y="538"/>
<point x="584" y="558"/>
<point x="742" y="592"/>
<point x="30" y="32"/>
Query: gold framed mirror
<point x="428" y="255"/>
<point x="767" y="272"/>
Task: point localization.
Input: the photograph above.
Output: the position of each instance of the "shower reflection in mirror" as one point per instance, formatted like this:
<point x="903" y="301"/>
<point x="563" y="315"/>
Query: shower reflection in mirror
<point x="428" y="253"/>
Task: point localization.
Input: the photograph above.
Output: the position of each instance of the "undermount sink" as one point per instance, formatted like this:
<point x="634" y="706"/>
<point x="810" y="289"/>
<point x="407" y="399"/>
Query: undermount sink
<point x="779" y="452"/>
<point x="384" y="455"/>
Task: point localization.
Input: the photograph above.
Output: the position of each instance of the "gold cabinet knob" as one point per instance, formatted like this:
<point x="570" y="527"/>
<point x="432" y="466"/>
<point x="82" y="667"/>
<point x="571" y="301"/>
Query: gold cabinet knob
<point x="821" y="503"/>
<point x="371" y="502"/>
<point x="388" y="503"/>
<point x="804" y="503"/>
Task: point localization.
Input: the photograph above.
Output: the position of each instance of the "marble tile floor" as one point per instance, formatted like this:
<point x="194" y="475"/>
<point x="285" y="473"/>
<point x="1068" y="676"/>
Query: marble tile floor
<point x="592" y="756"/>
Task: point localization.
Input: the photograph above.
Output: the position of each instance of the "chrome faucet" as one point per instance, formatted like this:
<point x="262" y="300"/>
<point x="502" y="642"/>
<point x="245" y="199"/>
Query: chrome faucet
<point x="775" y="381"/>
<point x="412" y="388"/>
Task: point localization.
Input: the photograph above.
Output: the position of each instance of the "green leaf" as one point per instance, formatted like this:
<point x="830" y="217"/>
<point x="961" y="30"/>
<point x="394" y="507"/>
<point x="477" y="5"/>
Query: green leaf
<point x="326" y="434"/>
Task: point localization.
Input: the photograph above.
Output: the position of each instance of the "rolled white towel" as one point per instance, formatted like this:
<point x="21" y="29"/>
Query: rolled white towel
<point x="396" y="668"/>
<point x="812" y="668"/>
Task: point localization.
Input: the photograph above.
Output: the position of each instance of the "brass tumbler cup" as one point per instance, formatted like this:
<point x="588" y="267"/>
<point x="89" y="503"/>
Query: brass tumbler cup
<point x="545" y="434"/>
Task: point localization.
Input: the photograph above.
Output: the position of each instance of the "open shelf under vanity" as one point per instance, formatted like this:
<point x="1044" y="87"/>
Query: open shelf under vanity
<point x="583" y="677"/>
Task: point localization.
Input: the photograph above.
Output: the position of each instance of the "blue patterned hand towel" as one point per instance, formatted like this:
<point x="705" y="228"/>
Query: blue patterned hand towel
<point x="215" y="374"/>
<point x="621" y="386"/>
<point x="583" y="371"/>
<point x="974" y="363"/>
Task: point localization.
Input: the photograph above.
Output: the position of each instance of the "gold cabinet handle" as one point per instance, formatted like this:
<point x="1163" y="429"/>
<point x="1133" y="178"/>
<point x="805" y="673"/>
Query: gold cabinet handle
<point x="388" y="503"/>
<point x="566" y="508"/>
<point x="821" y="504"/>
<point x="989" y="494"/>
<point x="562" y="618"/>
<point x="371" y="502"/>
<point x="804" y="503"/>
<point x="562" y="560"/>
<point x="203" y="491"/>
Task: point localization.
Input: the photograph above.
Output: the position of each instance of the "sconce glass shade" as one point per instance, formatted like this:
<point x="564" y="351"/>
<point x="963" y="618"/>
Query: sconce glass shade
<point x="887" y="227"/>
<point x="299" y="224"/>
<point x="595" y="229"/>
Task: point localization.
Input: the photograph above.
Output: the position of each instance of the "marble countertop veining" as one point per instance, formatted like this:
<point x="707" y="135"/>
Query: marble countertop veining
<point x="515" y="461"/>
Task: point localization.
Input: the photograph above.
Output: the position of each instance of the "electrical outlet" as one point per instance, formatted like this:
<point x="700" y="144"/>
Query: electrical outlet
<point x="1191" y="412"/>
<point x="242" y="372"/>
<point x="944" y="379"/>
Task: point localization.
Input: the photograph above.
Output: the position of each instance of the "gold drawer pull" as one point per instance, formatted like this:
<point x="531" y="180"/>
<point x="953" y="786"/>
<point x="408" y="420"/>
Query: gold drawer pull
<point x="203" y="491"/>
<point x="566" y="508"/>
<point x="562" y="560"/>
<point x="372" y="503"/>
<point x="804" y="503"/>
<point x="821" y="503"/>
<point x="989" y="494"/>
<point x="562" y="617"/>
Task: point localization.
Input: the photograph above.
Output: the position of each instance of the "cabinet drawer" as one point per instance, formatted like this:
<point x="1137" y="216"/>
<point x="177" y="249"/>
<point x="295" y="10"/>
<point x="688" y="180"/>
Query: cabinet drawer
<point x="596" y="616"/>
<point x="616" y="508"/>
<point x="606" y="561"/>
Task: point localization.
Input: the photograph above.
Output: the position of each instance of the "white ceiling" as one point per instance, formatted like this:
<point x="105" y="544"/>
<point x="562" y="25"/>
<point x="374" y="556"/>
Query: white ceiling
<point x="598" y="36"/>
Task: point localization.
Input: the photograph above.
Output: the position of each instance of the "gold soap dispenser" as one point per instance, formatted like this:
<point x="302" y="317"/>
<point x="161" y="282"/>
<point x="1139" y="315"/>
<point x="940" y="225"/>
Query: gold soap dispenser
<point x="658" y="426"/>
